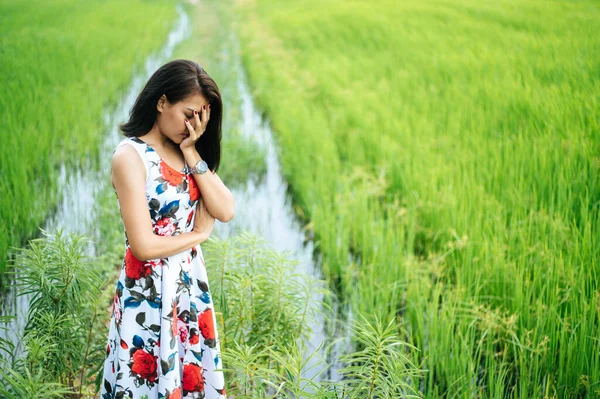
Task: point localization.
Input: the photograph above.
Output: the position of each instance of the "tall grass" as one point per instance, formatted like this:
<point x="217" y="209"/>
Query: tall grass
<point x="451" y="148"/>
<point x="63" y="64"/>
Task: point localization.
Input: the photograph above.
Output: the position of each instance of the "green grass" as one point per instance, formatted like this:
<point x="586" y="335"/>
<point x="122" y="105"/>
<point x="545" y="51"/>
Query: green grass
<point x="63" y="63"/>
<point x="452" y="147"/>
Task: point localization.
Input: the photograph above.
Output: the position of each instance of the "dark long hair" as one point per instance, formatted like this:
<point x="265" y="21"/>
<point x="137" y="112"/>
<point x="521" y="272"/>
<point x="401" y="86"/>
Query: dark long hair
<point x="177" y="80"/>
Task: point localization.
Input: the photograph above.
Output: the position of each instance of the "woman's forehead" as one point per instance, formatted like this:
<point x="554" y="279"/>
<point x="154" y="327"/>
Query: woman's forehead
<point x="194" y="102"/>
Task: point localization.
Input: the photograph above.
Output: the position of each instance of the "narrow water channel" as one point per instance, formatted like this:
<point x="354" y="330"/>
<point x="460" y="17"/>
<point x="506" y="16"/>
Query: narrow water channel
<point x="265" y="208"/>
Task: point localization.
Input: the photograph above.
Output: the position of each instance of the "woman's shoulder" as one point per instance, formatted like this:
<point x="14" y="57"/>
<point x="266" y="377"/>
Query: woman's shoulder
<point x="132" y="141"/>
<point x="124" y="154"/>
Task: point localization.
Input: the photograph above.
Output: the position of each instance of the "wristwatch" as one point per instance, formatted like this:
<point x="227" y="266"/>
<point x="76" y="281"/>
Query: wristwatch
<point x="200" y="168"/>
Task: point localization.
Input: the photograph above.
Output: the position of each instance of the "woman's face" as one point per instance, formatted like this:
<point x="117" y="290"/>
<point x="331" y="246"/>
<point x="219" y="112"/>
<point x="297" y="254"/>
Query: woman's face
<point x="171" y="117"/>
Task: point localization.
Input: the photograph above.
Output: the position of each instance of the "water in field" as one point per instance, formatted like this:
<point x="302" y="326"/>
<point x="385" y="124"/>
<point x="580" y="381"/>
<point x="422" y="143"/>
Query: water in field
<point x="265" y="208"/>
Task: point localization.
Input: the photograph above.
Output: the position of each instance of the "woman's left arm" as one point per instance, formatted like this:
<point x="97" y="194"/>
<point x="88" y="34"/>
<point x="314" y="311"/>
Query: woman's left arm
<point x="216" y="196"/>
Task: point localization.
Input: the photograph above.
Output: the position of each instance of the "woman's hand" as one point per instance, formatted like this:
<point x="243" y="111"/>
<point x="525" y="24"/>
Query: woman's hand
<point x="203" y="221"/>
<point x="195" y="133"/>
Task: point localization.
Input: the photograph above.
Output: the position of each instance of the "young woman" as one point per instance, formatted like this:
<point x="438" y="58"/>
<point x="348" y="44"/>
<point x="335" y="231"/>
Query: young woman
<point x="163" y="341"/>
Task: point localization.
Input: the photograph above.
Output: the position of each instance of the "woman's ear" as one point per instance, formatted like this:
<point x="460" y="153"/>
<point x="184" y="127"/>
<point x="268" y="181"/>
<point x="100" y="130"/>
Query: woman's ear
<point x="161" y="103"/>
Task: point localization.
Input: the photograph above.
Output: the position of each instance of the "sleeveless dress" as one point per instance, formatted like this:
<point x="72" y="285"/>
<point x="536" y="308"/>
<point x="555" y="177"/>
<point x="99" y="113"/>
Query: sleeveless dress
<point x="163" y="340"/>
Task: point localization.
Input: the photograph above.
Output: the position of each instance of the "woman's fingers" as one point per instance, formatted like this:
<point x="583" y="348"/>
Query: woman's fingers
<point x="197" y="118"/>
<point x="201" y="119"/>
<point x="191" y="130"/>
<point x="205" y="115"/>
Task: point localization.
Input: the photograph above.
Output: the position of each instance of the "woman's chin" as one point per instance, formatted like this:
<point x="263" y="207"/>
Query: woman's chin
<point x="176" y="140"/>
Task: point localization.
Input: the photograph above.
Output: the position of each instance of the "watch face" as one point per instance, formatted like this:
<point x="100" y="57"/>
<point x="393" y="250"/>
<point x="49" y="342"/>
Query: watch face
<point x="201" y="167"/>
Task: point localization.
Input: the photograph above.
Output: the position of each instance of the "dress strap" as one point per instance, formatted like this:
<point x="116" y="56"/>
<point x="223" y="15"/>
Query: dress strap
<point x="140" y="147"/>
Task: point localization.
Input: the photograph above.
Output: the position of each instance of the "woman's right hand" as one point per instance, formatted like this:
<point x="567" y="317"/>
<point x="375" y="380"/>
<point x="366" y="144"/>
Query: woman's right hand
<point x="203" y="221"/>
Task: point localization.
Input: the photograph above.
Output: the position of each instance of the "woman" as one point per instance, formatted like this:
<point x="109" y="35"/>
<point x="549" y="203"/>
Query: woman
<point x="163" y="341"/>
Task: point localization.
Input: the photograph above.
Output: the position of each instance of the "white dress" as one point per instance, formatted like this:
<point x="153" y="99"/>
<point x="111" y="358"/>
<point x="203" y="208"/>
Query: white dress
<point x="163" y="340"/>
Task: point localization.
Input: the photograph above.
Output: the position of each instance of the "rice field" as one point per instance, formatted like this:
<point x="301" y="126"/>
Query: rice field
<point x="445" y="155"/>
<point x="63" y="64"/>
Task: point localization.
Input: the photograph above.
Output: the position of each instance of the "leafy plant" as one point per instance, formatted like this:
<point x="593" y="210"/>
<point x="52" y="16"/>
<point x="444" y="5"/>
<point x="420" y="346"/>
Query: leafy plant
<point x="383" y="368"/>
<point x="64" y="325"/>
<point x="267" y="314"/>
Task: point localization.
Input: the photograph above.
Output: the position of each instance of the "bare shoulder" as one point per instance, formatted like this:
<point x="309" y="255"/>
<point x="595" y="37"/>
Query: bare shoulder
<point x="127" y="165"/>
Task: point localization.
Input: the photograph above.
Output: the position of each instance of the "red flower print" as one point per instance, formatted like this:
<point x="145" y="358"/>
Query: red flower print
<point x="164" y="227"/>
<point x="193" y="187"/>
<point x="189" y="219"/>
<point x="194" y="336"/>
<point x="154" y="262"/>
<point x="207" y="327"/>
<point x="176" y="394"/>
<point x="135" y="268"/>
<point x="144" y="365"/>
<point x="170" y="175"/>
<point x="193" y="380"/>
<point x="183" y="331"/>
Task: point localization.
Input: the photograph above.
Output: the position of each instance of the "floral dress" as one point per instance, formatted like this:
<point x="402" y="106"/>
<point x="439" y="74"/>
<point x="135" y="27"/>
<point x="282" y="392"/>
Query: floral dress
<point x="163" y="341"/>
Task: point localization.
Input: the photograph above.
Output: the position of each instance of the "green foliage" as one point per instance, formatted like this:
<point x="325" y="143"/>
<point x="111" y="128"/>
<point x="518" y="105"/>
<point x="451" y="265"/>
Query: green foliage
<point x="267" y="315"/>
<point x="64" y="338"/>
<point x="264" y="302"/>
<point x="21" y="383"/>
<point x="383" y="368"/>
